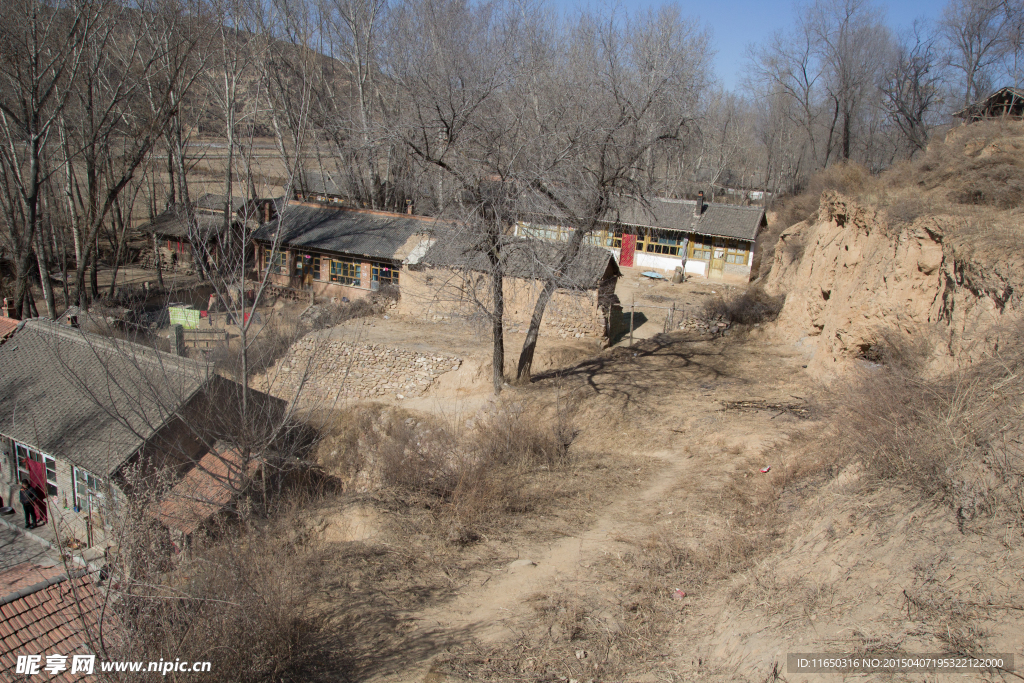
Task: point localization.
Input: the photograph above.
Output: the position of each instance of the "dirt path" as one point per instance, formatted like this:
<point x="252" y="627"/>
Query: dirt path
<point x="695" y="443"/>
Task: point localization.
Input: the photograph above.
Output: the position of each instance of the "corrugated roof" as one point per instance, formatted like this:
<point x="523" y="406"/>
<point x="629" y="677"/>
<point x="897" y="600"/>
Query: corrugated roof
<point x="375" y="234"/>
<point x="88" y="399"/>
<point x="209" y="486"/>
<point x="62" y="616"/>
<point x="523" y="258"/>
<point x="717" y="220"/>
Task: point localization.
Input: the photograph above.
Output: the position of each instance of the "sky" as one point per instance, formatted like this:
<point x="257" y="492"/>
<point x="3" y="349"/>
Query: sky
<point x="735" y="24"/>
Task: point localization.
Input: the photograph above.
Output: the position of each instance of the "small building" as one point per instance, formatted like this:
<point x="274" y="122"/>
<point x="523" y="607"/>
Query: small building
<point x="90" y="408"/>
<point x="706" y="239"/>
<point x="451" y="280"/>
<point x="1005" y="103"/>
<point x="335" y="252"/>
<point x="44" y="611"/>
<point x="208" y="488"/>
<point x="182" y="242"/>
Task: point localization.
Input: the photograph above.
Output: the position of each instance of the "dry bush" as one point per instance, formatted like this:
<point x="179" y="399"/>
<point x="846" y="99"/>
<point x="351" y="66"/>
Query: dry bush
<point x="471" y="479"/>
<point x="240" y="598"/>
<point x="957" y="437"/>
<point x="753" y="305"/>
<point x="848" y="178"/>
<point x="514" y="434"/>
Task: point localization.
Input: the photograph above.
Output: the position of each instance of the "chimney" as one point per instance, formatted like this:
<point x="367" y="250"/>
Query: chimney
<point x="699" y="208"/>
<point x="408" y="206"/>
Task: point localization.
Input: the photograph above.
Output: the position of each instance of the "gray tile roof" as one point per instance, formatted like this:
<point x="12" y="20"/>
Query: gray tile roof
<point x="375" y="234"/>
<point x="717" y="220"/>
<point x="523" y="258"/>
<point x="88" y="399"/>
<point x="173" y="223"/>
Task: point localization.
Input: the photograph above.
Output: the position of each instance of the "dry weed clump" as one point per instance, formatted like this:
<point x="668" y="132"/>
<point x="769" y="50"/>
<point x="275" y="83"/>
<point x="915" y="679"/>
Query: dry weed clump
<point x="848" y="178"/>
<point x="958" y="437"/>
<point x="240" y="598"/>
<point x="471" y="478"/>
<point x="750" y="307"/>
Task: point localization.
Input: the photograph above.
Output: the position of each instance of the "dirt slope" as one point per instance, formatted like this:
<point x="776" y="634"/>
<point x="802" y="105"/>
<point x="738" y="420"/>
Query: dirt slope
<point x="850" y="276"/>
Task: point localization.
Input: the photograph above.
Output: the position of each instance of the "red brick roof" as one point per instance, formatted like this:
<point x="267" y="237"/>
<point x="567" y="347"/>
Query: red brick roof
<point x="204" y="491"/>
<point x="7" y="326"/>
<point x="60" y="616"/>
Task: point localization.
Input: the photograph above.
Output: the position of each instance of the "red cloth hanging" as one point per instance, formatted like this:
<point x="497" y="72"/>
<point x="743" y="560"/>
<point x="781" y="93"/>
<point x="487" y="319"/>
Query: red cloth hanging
<point x="37" y="480"/>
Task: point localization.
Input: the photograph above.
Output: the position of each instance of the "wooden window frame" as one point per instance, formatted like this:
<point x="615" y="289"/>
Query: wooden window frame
<point x="346" y="272"/>
<point x="389" y="272"/>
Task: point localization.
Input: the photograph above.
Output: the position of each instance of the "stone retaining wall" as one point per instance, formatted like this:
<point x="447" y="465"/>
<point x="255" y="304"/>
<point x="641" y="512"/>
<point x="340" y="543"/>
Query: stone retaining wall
<point x="335" y="369"/>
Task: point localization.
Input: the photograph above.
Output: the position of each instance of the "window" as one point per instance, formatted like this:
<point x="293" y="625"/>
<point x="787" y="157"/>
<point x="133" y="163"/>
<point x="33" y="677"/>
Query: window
<point x="24" y="453"/>
<point x="736" y="252"/>
<point x="664" y="242"/>
<point x="700" y="247"/>
<point x="88" y="489"/>
<point x="276" y="262"/>
<point x="316" y="269"/>
<point x="345" y="272"/>
<point x="384" y="274"/>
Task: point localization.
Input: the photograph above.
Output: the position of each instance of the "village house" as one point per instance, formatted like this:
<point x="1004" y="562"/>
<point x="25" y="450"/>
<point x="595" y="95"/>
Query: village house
<point x="337" y="253"/>
<point x="450" y="280"/>
<point x="1005" y="103"/>
<point x="89" y="409"/>
<point x="705" y="239"/>
<point x="180" y="244"/>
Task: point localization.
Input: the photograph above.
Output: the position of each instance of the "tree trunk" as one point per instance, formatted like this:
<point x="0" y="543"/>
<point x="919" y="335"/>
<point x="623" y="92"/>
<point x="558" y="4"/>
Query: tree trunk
<point x="44" y="278"/>
<point x="530" y="345"/>
<point x="498" y="330"/>
<point x="156" y="253"/>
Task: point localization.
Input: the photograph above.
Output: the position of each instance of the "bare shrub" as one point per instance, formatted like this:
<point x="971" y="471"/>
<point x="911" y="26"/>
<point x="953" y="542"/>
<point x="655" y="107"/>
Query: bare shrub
<point x="848" y="178"/>
<point x="752" y="306"/>
<point x="470" y="480"/>
<point x="240" y="597"/>
<point x="515" y="434"/>
<point x="956" y="436"/>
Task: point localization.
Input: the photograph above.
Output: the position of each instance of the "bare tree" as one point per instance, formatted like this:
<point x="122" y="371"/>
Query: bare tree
<point x="912" y="87"/>
<point x="976" y="34"/>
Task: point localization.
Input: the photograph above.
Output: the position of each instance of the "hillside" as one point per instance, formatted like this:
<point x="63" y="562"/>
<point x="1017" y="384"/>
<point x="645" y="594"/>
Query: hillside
<point x="929" y="251"/>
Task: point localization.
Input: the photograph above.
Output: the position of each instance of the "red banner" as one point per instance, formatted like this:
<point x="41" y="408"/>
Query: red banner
<point x="37" y="480"/>
<point x="627" y="251"/>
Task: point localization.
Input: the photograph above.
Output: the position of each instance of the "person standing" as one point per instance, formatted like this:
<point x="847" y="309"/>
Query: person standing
<point x="28" y="497"/>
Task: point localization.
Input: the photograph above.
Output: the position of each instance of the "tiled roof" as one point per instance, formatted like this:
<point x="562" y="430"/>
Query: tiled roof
<point x="209" y="486"/>
<point x="56" y="615"/>
<point x="89" y="399"/>
<point x="717" y="220"/>
<point x="375" y="234"/>
<point x="523" y="258"/>
<point x="7" y="327"/>
<point x="215" y="202"/>
<point x="173" y="223"/>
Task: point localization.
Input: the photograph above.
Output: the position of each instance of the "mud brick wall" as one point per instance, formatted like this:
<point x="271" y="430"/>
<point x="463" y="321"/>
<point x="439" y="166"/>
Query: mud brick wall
<point x="338" y="370"/>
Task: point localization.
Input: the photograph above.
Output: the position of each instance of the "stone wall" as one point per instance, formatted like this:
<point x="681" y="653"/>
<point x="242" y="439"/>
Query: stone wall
<point x="337" y="370"/>
<point x="439" y="294"/>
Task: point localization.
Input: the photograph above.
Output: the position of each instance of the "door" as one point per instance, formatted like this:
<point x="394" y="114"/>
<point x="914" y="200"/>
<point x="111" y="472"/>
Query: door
<point x="717" y="266"/>
<point x="627" y="250"/>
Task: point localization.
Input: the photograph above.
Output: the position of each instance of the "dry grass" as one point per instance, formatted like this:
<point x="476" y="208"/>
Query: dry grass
<point x="473" y="478"/>
<point x="957" y="437"/>
<point x="751" y="306"/>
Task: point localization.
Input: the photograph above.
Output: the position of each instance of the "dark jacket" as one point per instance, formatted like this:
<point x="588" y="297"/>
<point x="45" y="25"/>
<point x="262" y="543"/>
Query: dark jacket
<point x="28" y="496"/>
